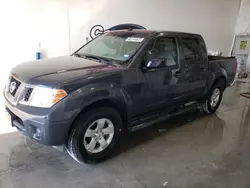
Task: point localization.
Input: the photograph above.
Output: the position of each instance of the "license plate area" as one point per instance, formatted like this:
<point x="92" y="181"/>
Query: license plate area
<point x="10" y="116"/>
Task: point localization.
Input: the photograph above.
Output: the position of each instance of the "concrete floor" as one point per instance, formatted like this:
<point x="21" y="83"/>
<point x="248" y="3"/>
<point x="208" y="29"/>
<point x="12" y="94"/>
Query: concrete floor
<point x="189" y="151"/>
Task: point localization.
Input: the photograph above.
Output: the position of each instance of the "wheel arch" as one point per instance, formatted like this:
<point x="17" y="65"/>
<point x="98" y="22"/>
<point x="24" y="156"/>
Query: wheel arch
<point x="222" y="80"/>
<point x="117" y="104"/>
<point x="219" y="75"/>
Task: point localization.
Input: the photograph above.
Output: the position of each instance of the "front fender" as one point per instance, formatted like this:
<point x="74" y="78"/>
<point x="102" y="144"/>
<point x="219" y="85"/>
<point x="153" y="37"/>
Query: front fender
<point x="87" y="95"/>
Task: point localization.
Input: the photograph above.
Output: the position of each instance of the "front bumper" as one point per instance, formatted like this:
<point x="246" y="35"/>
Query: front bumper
<point x="48" y="126"/>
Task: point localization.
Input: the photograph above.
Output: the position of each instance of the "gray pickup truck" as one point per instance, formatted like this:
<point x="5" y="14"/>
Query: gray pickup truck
<point x="126" y="79"/>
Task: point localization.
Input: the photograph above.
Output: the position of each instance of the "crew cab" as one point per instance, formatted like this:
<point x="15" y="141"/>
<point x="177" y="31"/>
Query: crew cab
<point x="126" y="79"/>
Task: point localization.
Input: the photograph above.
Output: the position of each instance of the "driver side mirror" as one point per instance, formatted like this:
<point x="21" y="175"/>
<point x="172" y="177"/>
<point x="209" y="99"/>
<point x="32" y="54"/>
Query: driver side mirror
<point x="155" y="63"/>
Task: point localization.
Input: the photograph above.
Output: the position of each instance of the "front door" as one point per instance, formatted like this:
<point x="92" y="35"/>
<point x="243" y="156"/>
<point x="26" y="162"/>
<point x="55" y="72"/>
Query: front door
<point x="164" y="83"/>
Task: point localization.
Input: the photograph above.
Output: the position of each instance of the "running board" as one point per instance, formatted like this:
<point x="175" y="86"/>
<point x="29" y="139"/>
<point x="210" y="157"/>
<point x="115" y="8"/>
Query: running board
<point x="161" y="117"/>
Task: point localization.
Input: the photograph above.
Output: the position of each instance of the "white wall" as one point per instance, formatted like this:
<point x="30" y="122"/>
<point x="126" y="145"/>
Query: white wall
<point x="243" y="22"/>
<point x="25" y="23"/>
<point x="62" y="25"/>
<point x="214" y="19"/>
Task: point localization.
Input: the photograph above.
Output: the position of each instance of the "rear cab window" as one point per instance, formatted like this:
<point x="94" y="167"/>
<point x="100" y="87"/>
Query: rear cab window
<point x="190" y="49"/>
<point x="194" y="50"/>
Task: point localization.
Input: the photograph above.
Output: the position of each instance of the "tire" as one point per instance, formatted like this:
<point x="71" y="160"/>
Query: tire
<point x="245" y="75"/>
<point x="86" y="141"/>
<point x="210" y="107"/>
<point x="240" y="76"/>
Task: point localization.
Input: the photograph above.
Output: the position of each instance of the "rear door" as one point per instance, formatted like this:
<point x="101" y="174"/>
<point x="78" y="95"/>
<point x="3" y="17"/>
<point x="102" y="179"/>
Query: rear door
<point x="195" y="67"/>
<point x="205" y="75"/>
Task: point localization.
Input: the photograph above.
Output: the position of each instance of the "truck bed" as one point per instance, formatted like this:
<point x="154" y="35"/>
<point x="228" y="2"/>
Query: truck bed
<point x="229" y="64"/>
<point x="212" y="58"/>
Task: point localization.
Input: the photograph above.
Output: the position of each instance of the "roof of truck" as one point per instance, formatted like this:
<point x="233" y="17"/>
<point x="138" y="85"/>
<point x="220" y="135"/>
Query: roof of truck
<point x="154" y="32"/>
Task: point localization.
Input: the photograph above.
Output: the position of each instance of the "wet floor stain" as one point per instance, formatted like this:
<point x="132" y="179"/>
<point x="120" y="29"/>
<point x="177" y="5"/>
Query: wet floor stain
<point x="193" y="150"/>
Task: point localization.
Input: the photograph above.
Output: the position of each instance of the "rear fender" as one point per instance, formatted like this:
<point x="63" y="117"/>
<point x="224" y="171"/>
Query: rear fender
<point x="220" y="73"/>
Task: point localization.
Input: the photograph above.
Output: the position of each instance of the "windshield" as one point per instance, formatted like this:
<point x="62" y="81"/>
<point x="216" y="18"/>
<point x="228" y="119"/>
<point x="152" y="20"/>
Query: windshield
<point x="119" y="46"/>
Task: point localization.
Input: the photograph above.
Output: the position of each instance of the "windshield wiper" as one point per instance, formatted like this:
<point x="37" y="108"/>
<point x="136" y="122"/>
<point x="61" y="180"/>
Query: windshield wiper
<point x="77" y="55"/>
<point x="89" y="57"/>
<point x="100" y="59"/>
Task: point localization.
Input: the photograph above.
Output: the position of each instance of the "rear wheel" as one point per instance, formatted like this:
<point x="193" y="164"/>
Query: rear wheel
<point x="214" y="98"/>
<point x="94" y="135"/>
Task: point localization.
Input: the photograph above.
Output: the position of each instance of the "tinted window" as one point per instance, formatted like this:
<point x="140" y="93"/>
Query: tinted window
<point x="191" y="49"/>
<point x="201" y="46"/>
<point x="165" y="48"/>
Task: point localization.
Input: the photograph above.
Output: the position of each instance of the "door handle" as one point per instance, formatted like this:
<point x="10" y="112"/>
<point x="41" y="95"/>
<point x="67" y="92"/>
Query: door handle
<point x="177" y="74"/>
<point x="203" y="69"/>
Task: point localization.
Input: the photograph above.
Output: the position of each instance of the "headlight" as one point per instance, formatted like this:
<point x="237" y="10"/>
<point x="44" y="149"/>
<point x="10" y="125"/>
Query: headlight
<point x="45" y="97"/>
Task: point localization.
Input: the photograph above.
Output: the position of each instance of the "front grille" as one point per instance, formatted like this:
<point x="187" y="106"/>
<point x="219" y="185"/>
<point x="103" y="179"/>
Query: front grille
<point x="14" y="90"/>
<point x="28" y="93"/>
<point x="13" y="86"/>
<point x="18" y="92"/>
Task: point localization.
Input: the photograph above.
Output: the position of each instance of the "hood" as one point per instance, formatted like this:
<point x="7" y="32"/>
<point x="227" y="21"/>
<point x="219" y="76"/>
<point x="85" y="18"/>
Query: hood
<point x="51" y="71"/>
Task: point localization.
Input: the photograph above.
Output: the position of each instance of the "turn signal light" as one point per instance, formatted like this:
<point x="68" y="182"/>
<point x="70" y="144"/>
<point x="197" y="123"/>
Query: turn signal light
<point x="59" y="95"/>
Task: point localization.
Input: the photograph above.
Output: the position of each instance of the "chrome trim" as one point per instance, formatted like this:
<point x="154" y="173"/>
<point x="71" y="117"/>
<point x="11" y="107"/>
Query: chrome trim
<point x="215" y="97"/>
<point x="14" y="99"/>
<point x="99" y="134"/>
<point x="27" y="102"/>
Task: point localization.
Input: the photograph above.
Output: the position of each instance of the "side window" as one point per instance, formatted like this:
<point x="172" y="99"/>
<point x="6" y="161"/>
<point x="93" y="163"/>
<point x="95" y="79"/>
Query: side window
<point x="201" y="47"/>
<point x="164" y="48"/>
<point x="191" y="50"/>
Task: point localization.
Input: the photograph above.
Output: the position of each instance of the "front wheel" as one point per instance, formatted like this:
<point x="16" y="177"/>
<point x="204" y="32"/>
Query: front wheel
<point x="213" y="100"/>
<point x="94" y="135"/>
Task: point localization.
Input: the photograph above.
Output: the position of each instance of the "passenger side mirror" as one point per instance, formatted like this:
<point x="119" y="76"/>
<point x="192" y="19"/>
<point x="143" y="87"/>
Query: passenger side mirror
<point x="155" y="63"/>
